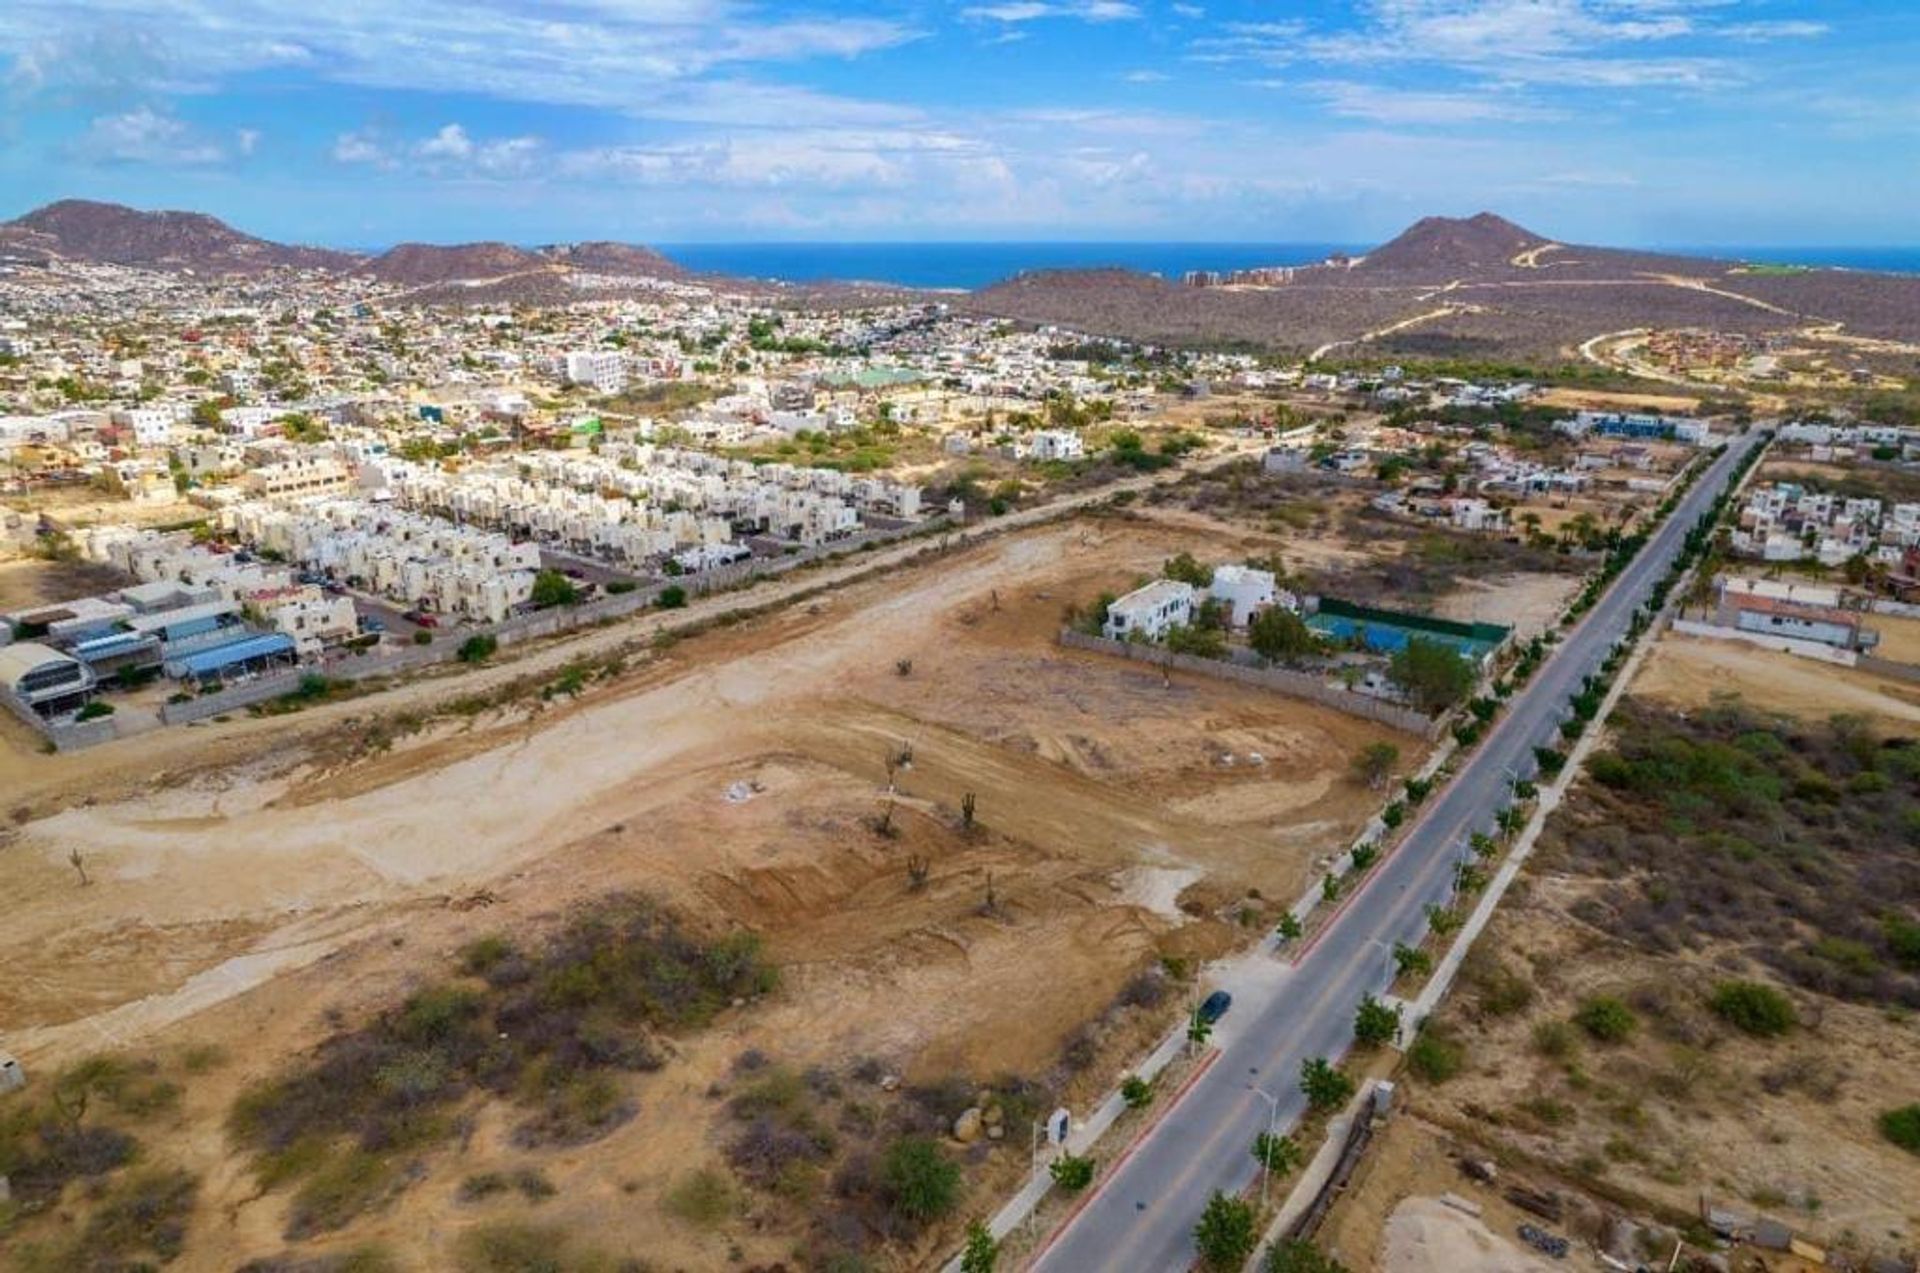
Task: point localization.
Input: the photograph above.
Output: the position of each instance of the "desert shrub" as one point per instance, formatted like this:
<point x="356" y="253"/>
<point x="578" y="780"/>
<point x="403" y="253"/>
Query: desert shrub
<point x="1902" y="1127"/>
<point x="517" y="1247"/>
<point x="530" y="1182"/>
<point x="1295" y="1255"/>
<point x="1436" y="1055"/>
<point x="703" y="1198"/>
<point x="672" y="597"/>
<point x="144" y="1214"/>
<point x="1757" y="1009"/>
<point x="1136" y="1091"/>
<point x="922" y="1183"/>
<point x="1554" y="1039"/>
<point x="1606" y="1019"/>
<point x="548" y="1028"/>
<point x="345" y="1185"/>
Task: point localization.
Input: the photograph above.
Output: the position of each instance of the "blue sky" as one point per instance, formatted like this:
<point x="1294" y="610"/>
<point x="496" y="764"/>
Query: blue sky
<point x="343" y="121"/>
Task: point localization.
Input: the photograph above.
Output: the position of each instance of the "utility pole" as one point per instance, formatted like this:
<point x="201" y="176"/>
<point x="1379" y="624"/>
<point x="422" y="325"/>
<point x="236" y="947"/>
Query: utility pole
<point x="1273" y="1123"/>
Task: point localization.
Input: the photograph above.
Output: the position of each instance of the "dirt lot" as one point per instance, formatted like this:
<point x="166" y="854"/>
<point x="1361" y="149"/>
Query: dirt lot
<point x="1690" y="672"/>
<point x="306" y="879"/>
<point x="34" y="582"/>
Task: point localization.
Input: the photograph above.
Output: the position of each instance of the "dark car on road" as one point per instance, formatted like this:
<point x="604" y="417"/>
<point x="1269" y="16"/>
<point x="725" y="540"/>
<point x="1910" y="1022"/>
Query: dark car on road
<point x="1215" y="1006"/>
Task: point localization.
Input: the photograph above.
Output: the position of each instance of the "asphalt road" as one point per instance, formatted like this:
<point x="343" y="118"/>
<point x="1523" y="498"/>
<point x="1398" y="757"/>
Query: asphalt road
<point x="1143" y="1216"/>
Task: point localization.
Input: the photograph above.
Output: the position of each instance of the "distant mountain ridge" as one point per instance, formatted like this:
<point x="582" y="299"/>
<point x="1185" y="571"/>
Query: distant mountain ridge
<point x="115" y="234"/>
<point x="112" y="233"/>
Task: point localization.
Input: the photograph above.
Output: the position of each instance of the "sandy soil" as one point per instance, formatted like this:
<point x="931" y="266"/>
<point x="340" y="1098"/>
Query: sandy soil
<point x="1690" y="672"/>
<point x="736" y="776"/>
<point x="1390" y="1218"/>
<point x="1528" y="603"/>
<point x="1601" y="400"/>
<point x="1899" y="637"/>
<point x="1425" y="1235"/>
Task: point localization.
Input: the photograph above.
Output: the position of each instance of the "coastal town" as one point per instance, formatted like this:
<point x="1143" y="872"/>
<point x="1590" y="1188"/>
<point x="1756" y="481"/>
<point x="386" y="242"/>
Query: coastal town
<point x="607" y="758"/>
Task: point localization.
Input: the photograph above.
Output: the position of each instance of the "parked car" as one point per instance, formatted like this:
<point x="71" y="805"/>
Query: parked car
<point x="1215" y="1006"/>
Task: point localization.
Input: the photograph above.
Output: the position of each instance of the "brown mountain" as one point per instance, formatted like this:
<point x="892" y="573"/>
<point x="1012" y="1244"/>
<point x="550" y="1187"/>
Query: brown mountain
<point x="1456" y="245"/>
<point x="1473" y="287"/>
<point x="424" y="264"/>
<point x="81" y="229"/>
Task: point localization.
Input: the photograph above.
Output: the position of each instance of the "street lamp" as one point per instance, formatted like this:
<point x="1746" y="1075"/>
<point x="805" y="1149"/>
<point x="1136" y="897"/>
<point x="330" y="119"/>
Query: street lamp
<point x="1273" y="1123"/>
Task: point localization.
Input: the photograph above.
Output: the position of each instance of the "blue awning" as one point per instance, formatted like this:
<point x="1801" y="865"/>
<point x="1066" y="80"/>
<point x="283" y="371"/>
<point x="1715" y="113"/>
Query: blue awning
<point x="232" y="654"/>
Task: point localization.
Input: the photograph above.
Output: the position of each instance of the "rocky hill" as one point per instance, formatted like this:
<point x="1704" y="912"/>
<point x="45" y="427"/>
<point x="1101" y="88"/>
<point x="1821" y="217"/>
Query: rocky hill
<point x="80" y="229"/>
<point x="1473" y="287"/>
<point x="83" y="230"/>
<point x="423" y="264"/>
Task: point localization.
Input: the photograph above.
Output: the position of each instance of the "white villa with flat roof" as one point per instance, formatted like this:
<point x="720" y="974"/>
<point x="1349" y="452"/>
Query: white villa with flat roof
<point x="1150" y="611"/>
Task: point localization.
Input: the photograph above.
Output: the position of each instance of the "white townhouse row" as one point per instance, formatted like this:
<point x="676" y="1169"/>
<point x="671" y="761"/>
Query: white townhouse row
<point x="166" y="559"/>
<point x="411" y="558"/>
<point x="613" y="527"/>
<point x="1783" y="521"/>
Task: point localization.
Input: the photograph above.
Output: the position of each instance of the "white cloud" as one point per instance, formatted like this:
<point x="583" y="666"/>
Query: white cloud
<point x="451" y="142"/>
<point x="1145" y="77"/>
<point x="1783" y="29"/>
<point x="1415" y="107"/>
<point x="614" y="54"/>
<point x="1011" y="11"/>
<point x="246" y="140"/>
<point x="1578" y="43"/>
<point x="147" y="136"/>
<point x="363" y="147"/>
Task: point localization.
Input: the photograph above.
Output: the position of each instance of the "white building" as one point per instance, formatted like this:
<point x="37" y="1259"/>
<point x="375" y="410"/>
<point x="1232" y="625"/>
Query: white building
<point x="313" y="618"/>
<point x="1148" y="612"/>
<point x="1055" y="444"/>
<point x="1243" y="590"/>
<point x="604" y="369"/>
<point x="300" y="478"/>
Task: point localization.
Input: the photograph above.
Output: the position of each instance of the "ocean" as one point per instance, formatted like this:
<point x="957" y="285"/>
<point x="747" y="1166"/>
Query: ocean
<point x="972" y="265"/>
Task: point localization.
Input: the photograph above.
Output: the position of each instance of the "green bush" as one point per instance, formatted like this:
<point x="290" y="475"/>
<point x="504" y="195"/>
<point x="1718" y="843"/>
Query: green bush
<point x="1757" y="1009"/>
<point x="1295" y="1255"/>
<point x="1071" y="1172"/>
<point x="478" y="648"/>
<point x="1325" y="1087"/>
<point x="922" y="1182"/>
<point x="1374" y="1023"/>
<point x="1606" y="1018"/>
<point x="1225" y="1234"/>
<point x="672" y="597"/>
<point x="1436" y="1055"/>
<point x="1136" y="1092"/>
<point x="94" y="710"/>
<point x="1902" y="1127"/>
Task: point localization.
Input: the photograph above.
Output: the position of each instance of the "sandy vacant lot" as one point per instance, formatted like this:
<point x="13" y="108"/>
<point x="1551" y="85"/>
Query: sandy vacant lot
<point x="1690" y="672"/>
<point x="737" y="775"/>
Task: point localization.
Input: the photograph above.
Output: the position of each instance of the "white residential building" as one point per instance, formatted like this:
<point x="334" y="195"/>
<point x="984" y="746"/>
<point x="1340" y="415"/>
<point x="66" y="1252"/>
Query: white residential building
<point x="1149" y="612"/>
<point x="1243" y="590"/>
<point x="604" y="369"/>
